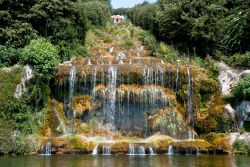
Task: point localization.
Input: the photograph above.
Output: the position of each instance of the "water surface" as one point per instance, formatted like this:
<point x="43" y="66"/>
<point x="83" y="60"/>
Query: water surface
<point x="125" y="160"/>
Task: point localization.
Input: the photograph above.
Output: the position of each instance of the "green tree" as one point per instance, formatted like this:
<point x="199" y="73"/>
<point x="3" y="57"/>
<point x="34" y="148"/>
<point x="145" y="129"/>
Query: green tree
<point x="95" y="12"/>
<point x="9" y="56"/>
<point x="15" y="30"/>
<point x="42" y="55"/>
<point x="237" y="34"/>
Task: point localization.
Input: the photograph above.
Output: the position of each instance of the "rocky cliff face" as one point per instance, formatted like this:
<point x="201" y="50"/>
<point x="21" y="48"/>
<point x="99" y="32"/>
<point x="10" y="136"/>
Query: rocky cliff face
<point x="229" y="77"/>
<point x="27" y="74"/>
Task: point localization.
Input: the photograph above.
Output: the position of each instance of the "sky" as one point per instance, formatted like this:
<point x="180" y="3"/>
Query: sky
<point x="127" y="3"/>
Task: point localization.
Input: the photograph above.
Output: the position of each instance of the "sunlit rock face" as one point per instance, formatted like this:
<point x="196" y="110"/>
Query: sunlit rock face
<point x="136" y="96"/>
<point x="228" y="77"/>
<point x="26" y="76"/>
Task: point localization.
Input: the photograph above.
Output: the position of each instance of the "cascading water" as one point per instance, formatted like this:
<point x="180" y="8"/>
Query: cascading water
<point x="170" y="150"/>
<point x="112" y="75"/>
<point x="94" y="81"/>
<point x="129" y="105"/>
<point x="125" y="96"/>
<point x="89" y="62"/>
<point x="95" y="150"/>
<point x="106" y="150"/>
<point x="131" y="150"/>
<point x="197" y="151"/>
<point x="151" y="151"/>
<point x="177" y="77"/>
<point x="46" y="149"/>
<point x="72" y="82"/>
<point x="141" y="150"/>
<point x="189" y="111"/>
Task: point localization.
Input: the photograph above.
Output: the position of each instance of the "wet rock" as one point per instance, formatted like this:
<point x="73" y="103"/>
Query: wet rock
<point x="191" y="147"/>
<point x="243" y="112"/>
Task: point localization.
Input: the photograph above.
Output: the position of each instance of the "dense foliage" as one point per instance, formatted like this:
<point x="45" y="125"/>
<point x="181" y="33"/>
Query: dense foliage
<point x="205" y="26"/>
<point x="43" y="56"/>
<point x="40" y="33"/>
<point x="9" y="56"/>
<point x="97" y="13"/>
<point x="241" y="91"/>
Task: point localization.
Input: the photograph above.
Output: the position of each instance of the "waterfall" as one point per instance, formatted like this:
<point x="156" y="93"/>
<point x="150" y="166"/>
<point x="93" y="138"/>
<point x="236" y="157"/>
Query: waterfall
<point x="112" y="75"/>
<point x="72" y="82"/>
<point x="106" y="150"/>
<point x="189" y="111"/>
<point x="95" y="150"/>
<point x="46" y="149"/>
<point x="89" y="62"/>
<point x="197" y="151"/>
<point x="131" y="150"/>
<point x="121" y="61"/>
<point x="170" y="150"/>
<point x="93" y="80"/>
<point x="151" y="151"/>
<point x="188" y="151"/>
<point x="177" y="78"/>
<point x="141" y="150"/>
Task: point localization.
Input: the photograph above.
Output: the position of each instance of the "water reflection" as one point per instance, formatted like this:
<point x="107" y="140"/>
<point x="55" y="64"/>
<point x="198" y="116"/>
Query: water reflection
<point x="124" y="160"/>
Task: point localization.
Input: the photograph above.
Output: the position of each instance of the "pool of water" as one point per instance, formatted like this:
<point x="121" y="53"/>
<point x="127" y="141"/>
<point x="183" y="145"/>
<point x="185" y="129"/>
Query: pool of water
<point x="125" y="160"/>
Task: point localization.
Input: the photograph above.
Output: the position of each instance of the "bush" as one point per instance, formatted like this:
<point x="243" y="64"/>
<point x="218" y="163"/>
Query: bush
<point x="148" y="40"/>
<point x="241" y="91"/>
<point x="241" y="146"/>
<point x="18" y="34"/>
<point x="238" y="60"/>
<point x="19" y="112"/>
<point x="128" y="44"/>
<point x="97" y="13"/>
<point x="12" y="142"/>
<point x="42" y="55"/>
<point x="9" y="56"/>
<point x="8" y="82"/>
<point x="108" y="40"/>
<point x="167" y="52"/>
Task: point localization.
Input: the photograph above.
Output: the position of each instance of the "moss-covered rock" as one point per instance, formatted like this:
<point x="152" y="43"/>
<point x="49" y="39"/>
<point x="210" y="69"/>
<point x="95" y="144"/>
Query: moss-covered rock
<point x="55" y="121"/>
<point x="159" y="142"/>
<point x="191" y="146"/>
<point x="220" y="141"/>
<point x="81" y="104"/>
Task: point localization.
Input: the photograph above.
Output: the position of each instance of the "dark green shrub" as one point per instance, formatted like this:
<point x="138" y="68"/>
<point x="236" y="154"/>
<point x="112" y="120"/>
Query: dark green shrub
<point x="97" y="13"/>
<point x="241" y="146"/>
<point x="9" y="56"/>
<point x="42" y="55"/>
